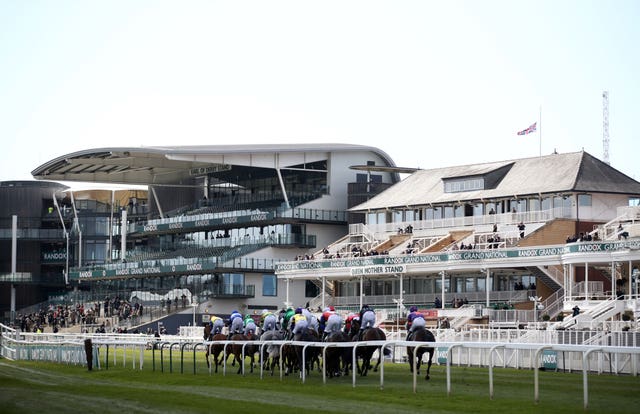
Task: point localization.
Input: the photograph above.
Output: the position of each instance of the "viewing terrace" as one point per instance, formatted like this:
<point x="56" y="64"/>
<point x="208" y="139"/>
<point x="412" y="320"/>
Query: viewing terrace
<point x="491" y="231"/>
<point x="230" y="219"/>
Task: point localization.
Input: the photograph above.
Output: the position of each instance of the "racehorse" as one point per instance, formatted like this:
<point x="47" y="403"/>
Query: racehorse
<point x="214" y="349"/>
<point x="271" y="352"/>
<point x="311" y="353"/>
<point x="421" y="335"/>
<point x="249" y="350"/>
<point x="338" y="356"/>
<point x="366" y="352"/>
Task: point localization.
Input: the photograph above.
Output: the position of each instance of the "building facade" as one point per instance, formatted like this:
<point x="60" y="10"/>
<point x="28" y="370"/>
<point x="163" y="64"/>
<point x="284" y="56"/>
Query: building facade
<point x="217" y="219"/>
<point x="558" y="228"/>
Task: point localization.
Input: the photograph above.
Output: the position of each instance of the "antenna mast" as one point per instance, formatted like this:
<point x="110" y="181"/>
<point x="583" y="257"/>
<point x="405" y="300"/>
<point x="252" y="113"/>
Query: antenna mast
<point x="605" y="126"/>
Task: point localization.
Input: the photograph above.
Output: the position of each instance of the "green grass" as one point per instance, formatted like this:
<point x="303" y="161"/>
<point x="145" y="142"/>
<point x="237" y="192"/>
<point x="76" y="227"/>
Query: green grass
<point x="37" y="387"/>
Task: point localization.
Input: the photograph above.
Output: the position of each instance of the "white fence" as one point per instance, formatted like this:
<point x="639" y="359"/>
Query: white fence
<point x="484" y="348"/>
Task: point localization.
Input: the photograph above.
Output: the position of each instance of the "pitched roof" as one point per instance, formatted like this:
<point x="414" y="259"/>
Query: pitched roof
<point x="555" y="173"/>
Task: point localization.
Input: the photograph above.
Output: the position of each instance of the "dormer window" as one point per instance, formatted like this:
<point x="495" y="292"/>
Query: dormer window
<point x="482" y="179"/>
<point x="463" y="184"/>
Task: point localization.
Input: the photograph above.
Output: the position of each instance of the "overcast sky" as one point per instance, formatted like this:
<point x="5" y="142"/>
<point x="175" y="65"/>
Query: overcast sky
<point x="431" y="83"/>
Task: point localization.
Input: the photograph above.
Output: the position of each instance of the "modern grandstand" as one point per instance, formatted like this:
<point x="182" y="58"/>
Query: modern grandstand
<point x="505" y="244"/>
<point x="212" y="225"/>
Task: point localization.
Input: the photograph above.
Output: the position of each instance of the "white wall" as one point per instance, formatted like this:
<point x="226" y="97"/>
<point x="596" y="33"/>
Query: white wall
<point x="603" y="207"/>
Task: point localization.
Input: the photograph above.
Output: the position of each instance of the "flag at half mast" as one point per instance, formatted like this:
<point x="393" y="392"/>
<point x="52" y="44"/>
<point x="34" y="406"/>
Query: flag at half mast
<point x="532" y="128"/>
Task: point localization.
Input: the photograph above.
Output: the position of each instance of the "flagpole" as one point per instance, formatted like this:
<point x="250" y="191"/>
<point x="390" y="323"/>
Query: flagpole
<point x="540" y="130"/>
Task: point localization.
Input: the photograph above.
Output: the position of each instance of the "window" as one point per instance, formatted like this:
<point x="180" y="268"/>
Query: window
<point x="269" y="285"/>
<point x="584" y="200"/>
<point x="465" y="184"/>
<point x="233" y="283"/>
<point x="448" y="212"/>
<point x="534" y="204"/>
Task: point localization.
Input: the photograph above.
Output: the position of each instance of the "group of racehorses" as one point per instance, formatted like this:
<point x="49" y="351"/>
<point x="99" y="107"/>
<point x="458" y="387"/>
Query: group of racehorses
<point x="338" y="360"/>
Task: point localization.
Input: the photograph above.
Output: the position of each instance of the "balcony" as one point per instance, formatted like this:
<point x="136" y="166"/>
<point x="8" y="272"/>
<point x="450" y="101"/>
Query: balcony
<point x="231" y="291"/>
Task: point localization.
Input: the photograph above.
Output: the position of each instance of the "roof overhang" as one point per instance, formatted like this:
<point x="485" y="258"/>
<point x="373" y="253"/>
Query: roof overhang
<point x="175" y="165"/>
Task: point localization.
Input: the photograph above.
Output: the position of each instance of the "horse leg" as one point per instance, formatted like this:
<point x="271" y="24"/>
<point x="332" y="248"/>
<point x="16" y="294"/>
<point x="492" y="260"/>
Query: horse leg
<point x="431" y="351"/>
<point x="375" y="369"/>
<point x="240" y="364"/>
<point x="366" y="363"/>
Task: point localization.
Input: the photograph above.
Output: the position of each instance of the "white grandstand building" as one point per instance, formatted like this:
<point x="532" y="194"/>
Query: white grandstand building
<point x="515" y="242"/>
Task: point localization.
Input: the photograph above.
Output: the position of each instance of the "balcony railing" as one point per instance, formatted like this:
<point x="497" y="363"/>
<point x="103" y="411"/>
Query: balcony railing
<point x="235" y="218"/>
<point x="222" y="291"/>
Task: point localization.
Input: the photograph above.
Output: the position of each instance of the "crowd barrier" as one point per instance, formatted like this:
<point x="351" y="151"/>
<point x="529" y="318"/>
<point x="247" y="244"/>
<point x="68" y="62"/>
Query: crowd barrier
<point x="584" y="358"/>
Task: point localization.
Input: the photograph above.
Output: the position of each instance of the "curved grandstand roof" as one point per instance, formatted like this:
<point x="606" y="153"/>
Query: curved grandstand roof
<point x="173" y="165"/>
<point x="550" y="174"/>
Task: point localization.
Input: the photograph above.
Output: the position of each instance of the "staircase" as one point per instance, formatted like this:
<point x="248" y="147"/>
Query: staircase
<point x="548" y="275"/>
<point x="593" y="316"/>
<point x="329" y="292"/>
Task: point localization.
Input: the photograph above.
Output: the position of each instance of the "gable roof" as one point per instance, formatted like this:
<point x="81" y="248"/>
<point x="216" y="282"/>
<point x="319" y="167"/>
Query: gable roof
<point x="550" y="174"/>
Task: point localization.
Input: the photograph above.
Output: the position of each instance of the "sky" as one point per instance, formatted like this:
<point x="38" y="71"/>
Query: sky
<point x="431" y="83"/>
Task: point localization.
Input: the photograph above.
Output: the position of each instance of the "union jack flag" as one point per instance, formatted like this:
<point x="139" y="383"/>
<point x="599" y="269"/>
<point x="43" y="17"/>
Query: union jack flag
<point x="532" y="128"/>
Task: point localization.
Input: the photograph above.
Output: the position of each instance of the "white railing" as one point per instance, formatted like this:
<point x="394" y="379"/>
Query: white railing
<point x="539" y="216"/>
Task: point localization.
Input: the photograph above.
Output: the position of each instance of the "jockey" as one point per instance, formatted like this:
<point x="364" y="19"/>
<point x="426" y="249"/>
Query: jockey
<point x="312" y="321"/>
<point x="367" y="319"/>
<point x="298" y="323"/>
<point x="235" y="323"/>
<point x="249" y="325"/>
<point x="286" y="318"/>
<point x="268" y="321"/>
<point x="322" y="323"/>
<point x="334" y="324"/>
<point x="216" y="325"/>
<point x="415" y="321"/>
<point x="350" y="318"/>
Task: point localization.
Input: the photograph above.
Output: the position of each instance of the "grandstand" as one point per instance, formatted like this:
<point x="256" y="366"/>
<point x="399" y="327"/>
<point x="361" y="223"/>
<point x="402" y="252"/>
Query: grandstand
<point x="537" y="236"/>
<point x="505" y="244"/>
<point x="214" y="220"/>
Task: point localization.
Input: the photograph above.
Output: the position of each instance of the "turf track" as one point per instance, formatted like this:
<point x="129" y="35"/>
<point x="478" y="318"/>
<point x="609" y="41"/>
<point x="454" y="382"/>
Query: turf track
<point x="36" y="387"/>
